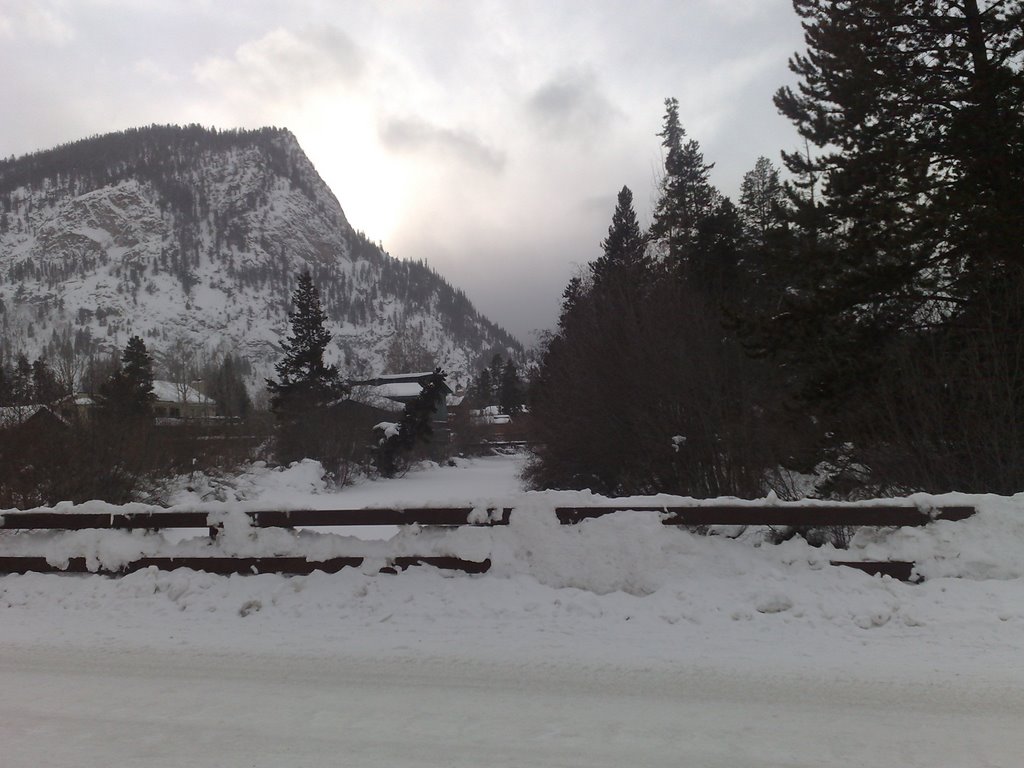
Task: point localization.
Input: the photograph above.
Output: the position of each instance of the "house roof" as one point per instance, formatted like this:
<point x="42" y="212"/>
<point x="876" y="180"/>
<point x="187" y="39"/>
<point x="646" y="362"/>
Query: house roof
<point x="14" y="415"/>
<point x="391" y="391"/>
<point x="490" y="414"/>
<point x="402" y="377"/>
<point x="399" y="389"/>
<point x="406" y="385"/>
<point x="169" y="392"/>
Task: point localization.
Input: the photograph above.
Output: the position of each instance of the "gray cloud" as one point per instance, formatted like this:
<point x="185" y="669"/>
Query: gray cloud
<point x="572" y="105"/>
<point x="283" y="64"/>
<point x="417" y="135"/>
<point x="37" y="23"/>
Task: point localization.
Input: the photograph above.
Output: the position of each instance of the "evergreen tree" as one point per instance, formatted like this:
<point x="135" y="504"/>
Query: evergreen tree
<point x="236" y="402"/>
<point x="720" y="244"/>
<point x="574" y="295"/>
<point x="416" y="426"/>
<point x="306" y="384"/>
<point x="45" y="387"/>
<point x="905" y="286"/>
<point x="304" y="380"/>
<point x="223" y="380"/>
<point x="494" y="376"/>
<point x="510" y="395"/>
<point x="6" y="393"/>
<point x="21" y="382"/>
<point x="482" y="391"/>
<point x="128" y="393"/>
<point x="625" y="248"/>
<point x="762" y="201"/>
<point x="636" y="369"/>
<point x="687" y="195"/>
<point x="916" y="107"/>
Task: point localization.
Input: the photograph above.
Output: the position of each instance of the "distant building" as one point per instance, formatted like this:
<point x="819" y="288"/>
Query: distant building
<point x="172" y="404"/>
<point x="176" y="403"/>
<point x="29" y="418"/>
<point x="76" y="407"/>
<point x="392" y="392"/>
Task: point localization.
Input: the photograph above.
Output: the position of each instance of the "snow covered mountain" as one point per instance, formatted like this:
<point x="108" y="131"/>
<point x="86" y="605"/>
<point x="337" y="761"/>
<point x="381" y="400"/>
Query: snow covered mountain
<point x="185" y="235"/>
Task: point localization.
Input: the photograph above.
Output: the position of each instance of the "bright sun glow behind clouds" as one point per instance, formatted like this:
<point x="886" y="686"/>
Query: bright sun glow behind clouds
<point x="371" y="185"/>
<point x="313" y="82"/>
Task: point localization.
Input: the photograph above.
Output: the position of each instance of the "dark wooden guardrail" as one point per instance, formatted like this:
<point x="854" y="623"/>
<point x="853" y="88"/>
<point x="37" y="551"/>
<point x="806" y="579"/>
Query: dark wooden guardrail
<point x="240" y="565"/>
<point x="178" y="519"/>
<point x="780" y="514"/>
<point x="698" y="514"/>
<point x="167" y="519"/>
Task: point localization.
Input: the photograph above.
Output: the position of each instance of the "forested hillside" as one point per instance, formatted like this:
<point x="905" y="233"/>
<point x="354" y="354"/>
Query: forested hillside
<point x="193" y="237"/>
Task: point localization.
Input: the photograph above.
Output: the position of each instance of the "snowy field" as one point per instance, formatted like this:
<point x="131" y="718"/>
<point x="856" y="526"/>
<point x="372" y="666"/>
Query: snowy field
<point x="617" y="642"/>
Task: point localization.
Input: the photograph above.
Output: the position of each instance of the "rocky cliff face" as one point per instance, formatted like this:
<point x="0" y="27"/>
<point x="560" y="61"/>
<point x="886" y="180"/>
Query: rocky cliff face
<point x="187" y="236"/>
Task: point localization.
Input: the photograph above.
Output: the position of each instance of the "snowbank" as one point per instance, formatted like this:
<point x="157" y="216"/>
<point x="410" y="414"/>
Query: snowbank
<point x="613" y="588"/>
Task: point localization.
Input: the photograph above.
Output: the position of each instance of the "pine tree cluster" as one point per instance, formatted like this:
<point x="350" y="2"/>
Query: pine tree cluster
<point x="870" y="307"/>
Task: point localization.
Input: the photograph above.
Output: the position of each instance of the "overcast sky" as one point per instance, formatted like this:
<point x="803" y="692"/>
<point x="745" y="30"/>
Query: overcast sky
<point x="488" y="138"/>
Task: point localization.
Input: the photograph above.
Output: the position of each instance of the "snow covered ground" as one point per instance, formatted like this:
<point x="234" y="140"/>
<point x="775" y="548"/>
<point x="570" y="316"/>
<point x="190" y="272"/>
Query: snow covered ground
<point x="614" y="642"/>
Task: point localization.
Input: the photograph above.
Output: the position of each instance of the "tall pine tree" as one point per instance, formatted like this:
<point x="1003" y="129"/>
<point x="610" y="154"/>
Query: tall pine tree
<point x="305" y="384"/>
<point x="762" y="201"/>
<point x="625" y="248"/>
<point x="687" y="196"/>
<point x="905" y="300"/>
<point x="128" y="392"/>
<point x="304" y="379"/>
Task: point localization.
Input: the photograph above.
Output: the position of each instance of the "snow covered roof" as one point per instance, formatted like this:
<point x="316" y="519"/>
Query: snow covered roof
<point x="490" y="414"/>
<point x="387" y="390"/>
<point x="405" y="376"/>
<point x="400" y="389"/>
<point x="370" y="396"/>
<point x="400" y="385"/>
<point x="169" y="392"/>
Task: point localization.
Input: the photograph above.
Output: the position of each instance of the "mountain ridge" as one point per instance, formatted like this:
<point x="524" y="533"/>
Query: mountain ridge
<point x="194" y="235"/>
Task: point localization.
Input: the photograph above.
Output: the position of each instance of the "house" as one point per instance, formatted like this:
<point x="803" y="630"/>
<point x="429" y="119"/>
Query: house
<point x="175" y="403"/>
<point x="490" y="414"/>
<point x="392" y="392"/>
<point x="30" y="418"/>
<point x="76" y="407"/>
<point x="489" y="425"/>
<point x="27" y="432"/>
<point x="172" y="404"/>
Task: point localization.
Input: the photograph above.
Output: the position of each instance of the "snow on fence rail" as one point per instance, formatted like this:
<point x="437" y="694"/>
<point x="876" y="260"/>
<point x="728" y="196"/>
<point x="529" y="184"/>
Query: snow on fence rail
<point x="797" y="514"/>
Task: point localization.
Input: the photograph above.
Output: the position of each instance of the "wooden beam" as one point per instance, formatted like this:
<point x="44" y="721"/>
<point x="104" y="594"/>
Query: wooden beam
<point x="794" y="514"/>
<point x="441" y="516"/>
<point x="897" y="569"/>
<point x="238" y="565"/>
<point x="77" y="521"/>
<point x="158" y="519"/>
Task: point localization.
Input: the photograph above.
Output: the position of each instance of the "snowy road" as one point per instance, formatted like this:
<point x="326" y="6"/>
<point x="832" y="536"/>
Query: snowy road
<point x="83" y="708"/>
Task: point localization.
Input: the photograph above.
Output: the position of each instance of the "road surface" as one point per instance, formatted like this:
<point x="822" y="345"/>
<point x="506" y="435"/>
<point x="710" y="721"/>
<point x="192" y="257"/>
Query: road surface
<point x="80" y="708"/>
